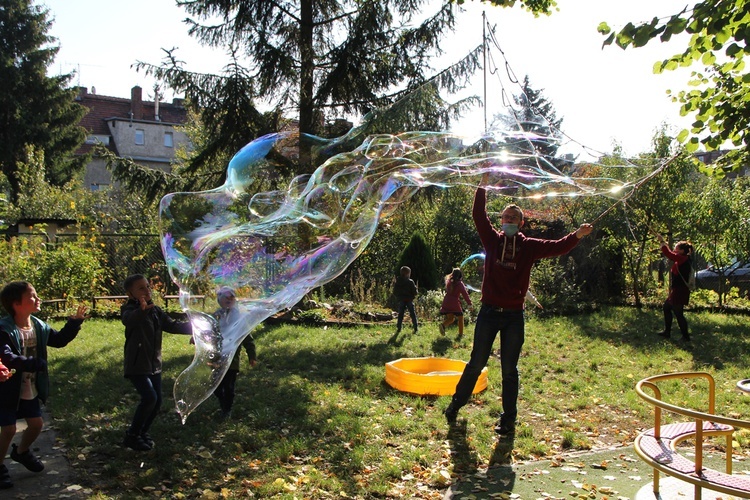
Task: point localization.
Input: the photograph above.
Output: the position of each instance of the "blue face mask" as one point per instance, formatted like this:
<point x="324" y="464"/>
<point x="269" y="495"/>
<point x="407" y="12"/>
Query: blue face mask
<point x="510" y="229"/>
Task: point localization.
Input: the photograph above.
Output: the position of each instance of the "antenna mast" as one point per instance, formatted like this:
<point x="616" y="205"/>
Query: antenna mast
<point x="484" y="54"/>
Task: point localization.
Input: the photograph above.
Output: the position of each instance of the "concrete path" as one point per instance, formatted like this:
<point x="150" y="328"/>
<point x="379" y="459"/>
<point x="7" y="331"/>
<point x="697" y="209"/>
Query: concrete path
<point x="55" y="481"/>
<point x="616" y="474"/>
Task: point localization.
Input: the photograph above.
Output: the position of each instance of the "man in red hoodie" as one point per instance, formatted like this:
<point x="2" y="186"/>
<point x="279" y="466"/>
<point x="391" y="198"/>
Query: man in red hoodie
<point x="509" y="256"/>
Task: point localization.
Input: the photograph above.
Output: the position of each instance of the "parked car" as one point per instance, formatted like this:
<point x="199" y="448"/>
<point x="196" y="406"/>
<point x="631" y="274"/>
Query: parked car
<point x="735" y="275"/>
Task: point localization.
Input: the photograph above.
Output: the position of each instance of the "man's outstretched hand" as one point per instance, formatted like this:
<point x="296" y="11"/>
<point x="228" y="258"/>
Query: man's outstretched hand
<point x="584" y="230"/>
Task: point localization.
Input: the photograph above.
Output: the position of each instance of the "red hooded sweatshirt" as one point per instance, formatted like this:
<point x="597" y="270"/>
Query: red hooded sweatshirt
<point x="508" y="260"/>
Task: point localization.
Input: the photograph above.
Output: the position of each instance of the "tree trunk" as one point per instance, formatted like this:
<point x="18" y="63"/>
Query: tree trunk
<point x="307" y="81"/>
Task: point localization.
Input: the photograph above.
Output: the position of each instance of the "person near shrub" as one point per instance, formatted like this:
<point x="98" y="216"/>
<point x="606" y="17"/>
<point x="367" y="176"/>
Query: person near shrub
<point x="679" y="291"/>
<point x="451" y="306"/>
<point x="405" y="291"/>
<point x="24" y="339"/>
<point x="507" y="271"/>
<point x="227" y="315"/>
<point x="144" y="323"/>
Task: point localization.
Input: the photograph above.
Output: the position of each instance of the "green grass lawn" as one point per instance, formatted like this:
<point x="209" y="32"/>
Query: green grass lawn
<point x="315" y="419"/>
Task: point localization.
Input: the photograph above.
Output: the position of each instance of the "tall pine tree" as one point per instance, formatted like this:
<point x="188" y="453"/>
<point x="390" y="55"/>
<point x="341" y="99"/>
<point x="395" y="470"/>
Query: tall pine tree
<point x="317" y="60"/>
<point x="531" y="106"/>
<point x="35" y="110"/>
<point x="417" y="255"/>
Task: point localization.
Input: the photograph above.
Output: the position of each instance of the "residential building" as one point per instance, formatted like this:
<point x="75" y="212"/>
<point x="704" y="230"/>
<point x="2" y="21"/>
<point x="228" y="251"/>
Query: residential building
<point x="708" y="157"/>
<point x="146" y="132"/>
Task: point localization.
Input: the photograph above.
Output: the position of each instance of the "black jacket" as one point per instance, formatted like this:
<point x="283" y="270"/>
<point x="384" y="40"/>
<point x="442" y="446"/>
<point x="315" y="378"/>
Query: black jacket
<point x="10" y="354"/>
<point x="143" y="331"/>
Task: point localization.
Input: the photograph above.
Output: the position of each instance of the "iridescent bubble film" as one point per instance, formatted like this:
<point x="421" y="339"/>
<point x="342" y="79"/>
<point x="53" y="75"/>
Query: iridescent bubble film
<point x="473" y="271"/>
<point x="273" y="247"/>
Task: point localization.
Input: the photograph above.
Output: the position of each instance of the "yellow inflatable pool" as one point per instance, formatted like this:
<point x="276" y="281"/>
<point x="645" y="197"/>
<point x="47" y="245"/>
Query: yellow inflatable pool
<point x="429" y="376"/>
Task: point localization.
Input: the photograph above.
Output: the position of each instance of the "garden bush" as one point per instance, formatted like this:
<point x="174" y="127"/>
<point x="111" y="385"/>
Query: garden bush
<point x="68" y="270"/>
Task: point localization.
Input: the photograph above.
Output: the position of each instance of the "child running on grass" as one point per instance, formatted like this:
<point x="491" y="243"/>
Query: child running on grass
<point x="228" y="314"/>
<point x="24" y="339"/>
<point x="451" y="308"/>
<point x="405" y="291"/>
<point x="144" y="323"/>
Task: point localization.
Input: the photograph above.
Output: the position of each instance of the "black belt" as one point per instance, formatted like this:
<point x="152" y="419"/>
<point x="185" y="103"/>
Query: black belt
<point x="505" y="309"/>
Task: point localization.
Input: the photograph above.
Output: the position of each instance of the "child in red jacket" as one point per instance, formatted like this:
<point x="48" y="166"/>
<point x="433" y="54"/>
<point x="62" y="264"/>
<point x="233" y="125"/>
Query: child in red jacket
<point x="451" y="308"/>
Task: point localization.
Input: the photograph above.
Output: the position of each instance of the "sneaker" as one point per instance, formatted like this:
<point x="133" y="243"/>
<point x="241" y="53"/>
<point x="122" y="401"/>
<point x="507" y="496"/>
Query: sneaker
<point x="146" y="437"/>
<point x="686" y="337"/>
<point x="5" y="481"/>
<point x="442" y="329"/>
<point x="664" y="334"/>
<point x="27" y="459"/>
<point x="135" y="442"/>
<point x="505" y="429"/>
<point x="451" y="413"/>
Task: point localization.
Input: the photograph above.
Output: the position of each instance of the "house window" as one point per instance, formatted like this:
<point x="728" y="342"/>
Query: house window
<point x="140" y="137"/>
<point x="168" y="140"/>
<point x="98" y="139"/>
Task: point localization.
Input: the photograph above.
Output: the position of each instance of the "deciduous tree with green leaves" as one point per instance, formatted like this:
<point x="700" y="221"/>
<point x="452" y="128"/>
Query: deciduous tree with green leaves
<point x="719" y="41"/>
<point x="35" y="110"/>
<point x="655" y="204"/>
<point x="721" y="224"/>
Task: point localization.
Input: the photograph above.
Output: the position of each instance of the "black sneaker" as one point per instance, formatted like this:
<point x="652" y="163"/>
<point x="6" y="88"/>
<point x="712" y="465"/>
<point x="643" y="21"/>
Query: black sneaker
<point x="146" y="437"/>
<point x="505" y="429"/>
<point x="27" y="459"/>
<point x="451" y="413"/>
<point x="5" y="481"/>
<point x="135" y="442"/>
<point x="686" y="337"/>
<point x="663" y="334"/>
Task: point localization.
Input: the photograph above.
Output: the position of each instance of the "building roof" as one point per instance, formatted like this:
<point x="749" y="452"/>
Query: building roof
<point x="104" y="108"/>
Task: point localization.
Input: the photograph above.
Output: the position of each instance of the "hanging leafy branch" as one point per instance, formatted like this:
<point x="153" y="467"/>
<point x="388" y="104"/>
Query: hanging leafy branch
<point x="720" y="32"/>
<point x="536" y="7"/>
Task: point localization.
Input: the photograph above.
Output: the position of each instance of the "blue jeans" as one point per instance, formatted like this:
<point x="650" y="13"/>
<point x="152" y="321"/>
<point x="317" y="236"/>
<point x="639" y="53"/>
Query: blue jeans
<point x="149" y="388"/>
<point x="510" y="324"/>
<point x="401" y="307"/>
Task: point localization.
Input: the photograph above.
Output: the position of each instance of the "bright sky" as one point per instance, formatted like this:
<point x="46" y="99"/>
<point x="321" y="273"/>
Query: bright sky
<point x="604" y="95"/>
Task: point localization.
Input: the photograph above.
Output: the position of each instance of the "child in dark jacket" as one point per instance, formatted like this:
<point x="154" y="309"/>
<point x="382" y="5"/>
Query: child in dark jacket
<point x="144" y="323"/>
<point x="24" y="339"/>
<point x="228" y="315"/>
<point x="405" y="291"/>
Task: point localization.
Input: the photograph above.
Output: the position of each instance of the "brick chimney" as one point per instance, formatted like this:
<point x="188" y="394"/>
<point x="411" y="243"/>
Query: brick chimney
<point x="136" y="102"/>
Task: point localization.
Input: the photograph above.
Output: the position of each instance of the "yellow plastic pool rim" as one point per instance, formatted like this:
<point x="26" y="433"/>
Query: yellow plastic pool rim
<point x="429" y="376"/>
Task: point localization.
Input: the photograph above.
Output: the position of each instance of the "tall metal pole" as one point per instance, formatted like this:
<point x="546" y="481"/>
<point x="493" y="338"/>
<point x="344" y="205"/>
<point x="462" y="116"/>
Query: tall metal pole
<point x="484" y="54"/>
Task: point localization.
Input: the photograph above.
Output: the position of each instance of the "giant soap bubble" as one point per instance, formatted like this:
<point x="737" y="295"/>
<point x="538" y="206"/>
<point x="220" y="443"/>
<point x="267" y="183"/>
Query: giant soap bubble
<point x="274" y="247"/>
<point x="472" y="269"/>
